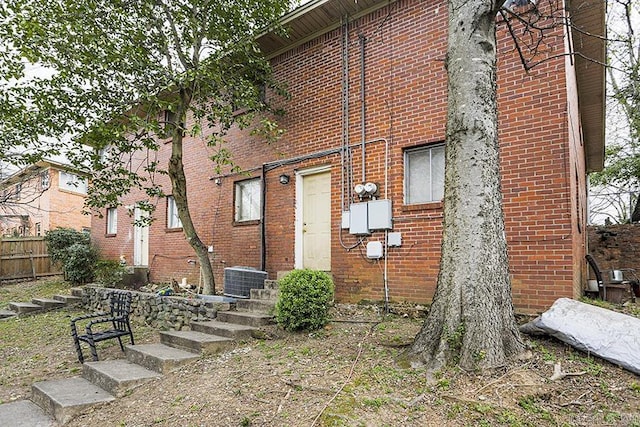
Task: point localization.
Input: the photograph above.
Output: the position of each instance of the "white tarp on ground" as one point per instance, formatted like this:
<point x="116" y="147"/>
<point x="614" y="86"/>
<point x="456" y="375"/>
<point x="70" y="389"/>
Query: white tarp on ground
<point x="610" y="335"/>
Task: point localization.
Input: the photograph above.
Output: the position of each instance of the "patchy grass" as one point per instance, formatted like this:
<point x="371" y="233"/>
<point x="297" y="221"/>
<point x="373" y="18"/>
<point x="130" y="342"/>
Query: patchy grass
<point x="25" y="291"/>
<point x="39" y="347"/>
<point x="343" y="375"/>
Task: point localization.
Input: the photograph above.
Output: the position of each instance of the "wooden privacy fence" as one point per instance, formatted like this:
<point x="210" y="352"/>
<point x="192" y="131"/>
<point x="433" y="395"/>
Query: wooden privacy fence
<point x="24" y="257"/>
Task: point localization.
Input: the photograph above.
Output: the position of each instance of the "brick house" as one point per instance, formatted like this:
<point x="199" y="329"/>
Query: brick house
<point x="41" y="197"/>
<point x="368" y="105"/>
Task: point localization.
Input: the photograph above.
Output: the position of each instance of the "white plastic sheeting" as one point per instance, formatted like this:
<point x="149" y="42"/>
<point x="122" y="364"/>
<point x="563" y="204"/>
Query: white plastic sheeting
<point x="610" y="335"/>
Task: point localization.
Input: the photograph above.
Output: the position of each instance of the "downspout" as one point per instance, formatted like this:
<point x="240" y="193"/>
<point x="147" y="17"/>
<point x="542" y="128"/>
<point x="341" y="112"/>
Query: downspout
<point x="345" y="154"/>
<point x="263" y="226"/>
<point x="363" y="105"/>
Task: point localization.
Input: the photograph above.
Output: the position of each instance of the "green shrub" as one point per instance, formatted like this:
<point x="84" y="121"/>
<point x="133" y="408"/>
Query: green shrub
<point x="305" y="297"/>
<point x="72" y="249"/>
<point x="80" y="263"/>
<point x="109" y="273"/>
<point x="60" y="239"/>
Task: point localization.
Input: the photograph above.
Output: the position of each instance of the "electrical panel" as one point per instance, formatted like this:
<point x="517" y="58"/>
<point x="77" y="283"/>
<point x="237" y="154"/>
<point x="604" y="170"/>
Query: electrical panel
<point x="358" y="221"/>
<point x="379" y="214"/>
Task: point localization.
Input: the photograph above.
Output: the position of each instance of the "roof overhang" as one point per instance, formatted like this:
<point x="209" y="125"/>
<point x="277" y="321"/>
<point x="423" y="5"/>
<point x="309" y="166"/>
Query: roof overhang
<point x="588" y="34"/>
<point x="30" y="170"/>
<point x="313" y="19"/>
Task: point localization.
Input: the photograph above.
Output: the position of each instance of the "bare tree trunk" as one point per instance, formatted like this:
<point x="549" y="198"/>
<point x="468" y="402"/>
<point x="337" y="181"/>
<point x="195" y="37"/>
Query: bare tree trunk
<point x="471" y="320"/>
<point x="179" y="188"/>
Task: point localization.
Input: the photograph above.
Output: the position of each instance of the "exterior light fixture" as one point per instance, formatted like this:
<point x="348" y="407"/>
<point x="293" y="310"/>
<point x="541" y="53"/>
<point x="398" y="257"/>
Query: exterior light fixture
<point x="284" y="179"/>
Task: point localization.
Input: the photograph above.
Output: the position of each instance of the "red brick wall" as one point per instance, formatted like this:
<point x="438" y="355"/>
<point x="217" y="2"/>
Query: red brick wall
<point x="406" y="105"/>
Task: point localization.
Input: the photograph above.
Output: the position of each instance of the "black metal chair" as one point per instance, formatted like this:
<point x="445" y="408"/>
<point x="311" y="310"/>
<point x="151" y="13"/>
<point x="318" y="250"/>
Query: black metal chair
<point x="631" y="284"/>
<point x="104" y="325"/>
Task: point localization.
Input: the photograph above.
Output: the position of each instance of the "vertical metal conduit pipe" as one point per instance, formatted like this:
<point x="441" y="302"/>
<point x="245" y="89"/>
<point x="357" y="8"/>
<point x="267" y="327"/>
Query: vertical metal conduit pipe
<point x="363" y="105"/>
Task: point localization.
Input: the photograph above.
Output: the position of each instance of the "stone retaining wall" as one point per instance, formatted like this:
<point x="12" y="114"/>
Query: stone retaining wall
<point x="168" y="313"/>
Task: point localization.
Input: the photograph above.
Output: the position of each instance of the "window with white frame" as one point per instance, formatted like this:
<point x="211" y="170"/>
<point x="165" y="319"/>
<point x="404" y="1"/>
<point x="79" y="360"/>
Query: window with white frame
<point x="72" y="182"/>
<point x="173" y="220"/>
<point x="247" y="200"/>
<point x="424" y="174"/>
<point x="112" y="221"/>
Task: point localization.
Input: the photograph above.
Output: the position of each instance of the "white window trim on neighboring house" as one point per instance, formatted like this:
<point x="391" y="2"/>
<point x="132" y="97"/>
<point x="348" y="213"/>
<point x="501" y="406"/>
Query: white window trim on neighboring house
<point x="247" y="200"/>
<point x="424" y="174"/>
<point x="72" y="182"/>
<point x="173" y="220"/>
<point x="112" y="221"/>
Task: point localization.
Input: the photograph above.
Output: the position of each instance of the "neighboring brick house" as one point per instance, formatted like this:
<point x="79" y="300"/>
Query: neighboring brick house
<point x="287" y="210"/>
<point x="41" y="197"/>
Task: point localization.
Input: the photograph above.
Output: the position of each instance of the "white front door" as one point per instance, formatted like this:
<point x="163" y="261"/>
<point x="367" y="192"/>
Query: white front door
<point x="316" y="221"/>
<point x="140" y="240"/>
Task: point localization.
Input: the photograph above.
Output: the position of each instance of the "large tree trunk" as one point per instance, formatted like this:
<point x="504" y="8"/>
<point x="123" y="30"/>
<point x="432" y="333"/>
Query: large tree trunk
<point x="471" y="320"/>
<point x="179" y="188"/>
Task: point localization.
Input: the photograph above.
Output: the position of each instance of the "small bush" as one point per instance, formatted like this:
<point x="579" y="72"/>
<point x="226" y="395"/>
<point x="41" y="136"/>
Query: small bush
<point x="60" y="239"/>
<point x="109" y="273"/>
<point x="80" y="263"/>
<point x="305" y="297"/>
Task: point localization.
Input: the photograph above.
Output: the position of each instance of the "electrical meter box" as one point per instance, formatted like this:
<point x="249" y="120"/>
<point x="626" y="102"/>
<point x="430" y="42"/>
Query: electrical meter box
<point x="358" y="223"/>
<point x="379" y="214"/>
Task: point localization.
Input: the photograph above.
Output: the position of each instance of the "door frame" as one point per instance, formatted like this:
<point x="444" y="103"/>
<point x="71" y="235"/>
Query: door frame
<point x="300" y="174"/>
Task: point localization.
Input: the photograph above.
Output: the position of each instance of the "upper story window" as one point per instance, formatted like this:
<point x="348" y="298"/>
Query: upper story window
<point x="247" y="200"/>
<point x="72" y="182"/>
<point x="424" y="174"/>
<point x="173" y="220"/>
<point x="44" y="180"/>
<point x="112" y="221"/>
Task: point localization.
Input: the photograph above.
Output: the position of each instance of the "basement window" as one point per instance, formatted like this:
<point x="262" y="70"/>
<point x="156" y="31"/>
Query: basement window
<point x="424" y="174"/>
<point x="247" y="200"/>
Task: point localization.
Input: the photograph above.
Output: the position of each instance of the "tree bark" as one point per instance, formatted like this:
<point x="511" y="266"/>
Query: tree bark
<point x="471" y="320"/>
<point x="179" y="188"/>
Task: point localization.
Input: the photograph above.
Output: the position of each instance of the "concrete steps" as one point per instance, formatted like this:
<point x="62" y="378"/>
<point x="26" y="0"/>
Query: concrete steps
<point x="24" y="413"/>
<point x="264" y="294"/>
<point x="245" y="318"/>
<point x="48" y="303"/>
<point x="224" y="329"/>
<point x="77" y="292"/>
<point x="58" y="401"/>
<point x="159" y="357"/>
<point x="24" y="307"/>
<point x="68" y="299"/>
<point x="42" y="304"/>
<point x="7" y="314"/>
<point x="117" y="377"/>
<point x="256" y="306"/>
<point x="65" y="398"/>
<point x="196" y="342"/>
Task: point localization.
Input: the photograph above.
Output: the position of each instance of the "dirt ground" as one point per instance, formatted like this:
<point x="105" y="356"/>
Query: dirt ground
<point x="343" y="375"/>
